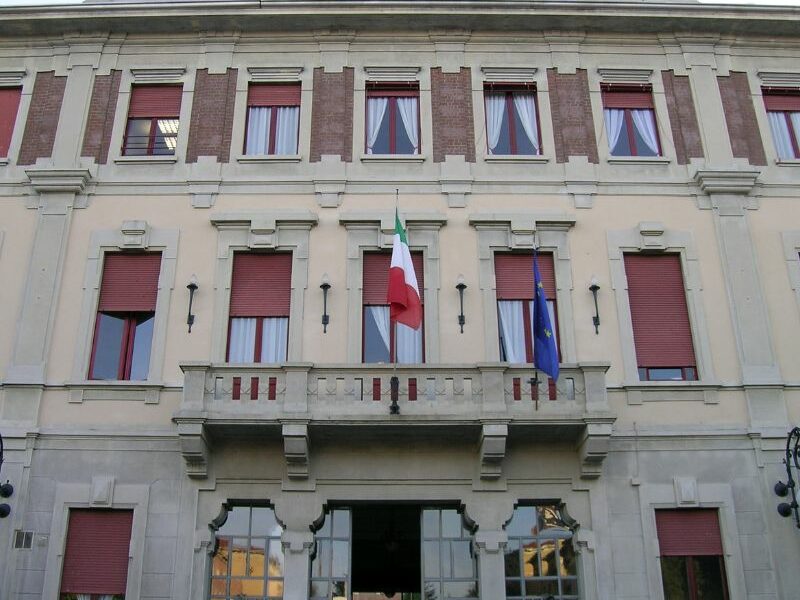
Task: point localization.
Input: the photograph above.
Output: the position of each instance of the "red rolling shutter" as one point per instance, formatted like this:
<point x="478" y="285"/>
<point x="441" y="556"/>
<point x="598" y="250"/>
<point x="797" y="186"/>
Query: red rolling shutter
<point x="96" y="554"/>
<point x="269" y="94"/>
<point x="130" y="282"/>
<point x="783" y="101"/>
<point x="261" y="285"/>
<point x="514" y="276"/>
<point x="689" y="532"/>
<point x="376" y="276"/>
<point x="621" y="97"/>
<point x="9" y="104"/>
<point x="155" y="101"/>
<point x="659" y="314"/>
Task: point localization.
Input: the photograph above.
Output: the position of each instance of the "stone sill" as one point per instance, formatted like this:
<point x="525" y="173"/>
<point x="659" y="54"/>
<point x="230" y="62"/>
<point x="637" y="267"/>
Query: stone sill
<point x="393" y="158"/>
<point x="3" y="162"/>
<point x="515" y="158"/>
<point x="114" y="390"/>
<point x="269" y="158"/>
<point x="146" y="160"/>
<point x="788" y="162"/>
<point x="638" y="160"/>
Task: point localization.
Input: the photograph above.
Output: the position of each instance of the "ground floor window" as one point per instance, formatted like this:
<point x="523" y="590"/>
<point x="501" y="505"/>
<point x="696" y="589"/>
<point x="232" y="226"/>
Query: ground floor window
<point x="247" y="559"/>
<point x="540" y="558"/>
<point x="402" y="552"/>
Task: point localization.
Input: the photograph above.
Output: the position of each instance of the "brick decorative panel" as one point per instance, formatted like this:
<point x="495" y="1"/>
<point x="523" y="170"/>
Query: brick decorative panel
<point x="40" y="127"/>
<point x="212" y="116"/>
<point x="740" y="115"/>
<point x="332" y="114"/>
<point x="573" y="126"/>
<point x="100" y="121"/>
<point x="682" y="117"/>
<point x="453" y="125"/>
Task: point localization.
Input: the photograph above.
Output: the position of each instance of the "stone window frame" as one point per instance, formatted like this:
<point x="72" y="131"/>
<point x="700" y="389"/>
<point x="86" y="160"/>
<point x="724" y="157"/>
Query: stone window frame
<point x="286" y="75"/>
<point x="687" y="492"/>
<point x="504" y="232"/>
<point x="284" y="231"/>
<point x="772" y="79"/>
<point x="17" y="78"/>
<point x="654" y="237"/>
<point x="375" y="231"/>
<point x="154" y="76"/>
<point x="102" y="493"/>
<point x="132" y="235"/>
<point x="791" y="249"/>
<point x="515" y="75"/>
<point x="631" y="76"/>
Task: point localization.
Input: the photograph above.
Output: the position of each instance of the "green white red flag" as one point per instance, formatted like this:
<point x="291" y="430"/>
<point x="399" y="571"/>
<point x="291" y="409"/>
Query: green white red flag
<point x="403" y="292"/>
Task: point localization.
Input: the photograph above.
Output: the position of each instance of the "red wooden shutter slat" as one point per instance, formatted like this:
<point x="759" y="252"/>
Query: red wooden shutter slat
<point x="627" y="99"/>
<point x="9" y="104"/>
<point x="261" y="285"/>
<point x="155" y="101"/>
<point x="782" y="101"/>
<point x="96" y="553"/>
<point x="375" y="282"/>
<point x="514" y="276"/>
<point x="689" y="532"/>
<point x="130" y="282"/>
<point x="659" y="314"/>
<point x="268" y="94"/>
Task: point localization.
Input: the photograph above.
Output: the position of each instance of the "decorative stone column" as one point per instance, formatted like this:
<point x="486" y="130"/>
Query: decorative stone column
<point x="297" y="547"/>
<point x="491" y="566"/>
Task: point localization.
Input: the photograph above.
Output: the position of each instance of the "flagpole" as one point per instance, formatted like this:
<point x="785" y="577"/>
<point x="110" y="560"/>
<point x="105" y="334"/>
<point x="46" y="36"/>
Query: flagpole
<point x="394" y="383"/>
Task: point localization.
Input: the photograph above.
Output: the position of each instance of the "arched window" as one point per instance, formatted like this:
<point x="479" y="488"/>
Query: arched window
<point x="247" y="560"/>
<point x="540" y="559"/>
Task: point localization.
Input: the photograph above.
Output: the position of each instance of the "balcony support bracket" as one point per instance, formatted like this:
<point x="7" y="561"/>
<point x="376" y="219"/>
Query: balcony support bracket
<point x="492" y="450"/>
<point x="296" y="450"/>
<point x="593" y="448"/>
<point x="194" y="447"/>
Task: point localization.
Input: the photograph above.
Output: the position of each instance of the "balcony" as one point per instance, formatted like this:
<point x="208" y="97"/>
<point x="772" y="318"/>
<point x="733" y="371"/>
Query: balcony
<point x="486" y="401"/>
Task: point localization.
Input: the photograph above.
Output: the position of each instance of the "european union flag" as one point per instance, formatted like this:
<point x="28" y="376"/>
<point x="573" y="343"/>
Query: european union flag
<point x="545" y="352"/>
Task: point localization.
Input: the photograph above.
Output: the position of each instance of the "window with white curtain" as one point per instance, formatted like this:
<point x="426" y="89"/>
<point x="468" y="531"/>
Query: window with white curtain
<point x="783" y="113"/>
<point x="512" y="122"/>
<point x="630" y="121"/>
<point x="392" y="119"/>
<point x="273" y="119"/>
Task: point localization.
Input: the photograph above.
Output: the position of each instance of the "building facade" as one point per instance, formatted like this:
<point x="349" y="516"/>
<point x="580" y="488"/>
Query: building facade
<point x="202" y="394"/>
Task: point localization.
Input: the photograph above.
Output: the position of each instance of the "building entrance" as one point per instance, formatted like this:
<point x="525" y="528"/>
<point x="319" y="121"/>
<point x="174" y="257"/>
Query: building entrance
<point x="395" y="552"/>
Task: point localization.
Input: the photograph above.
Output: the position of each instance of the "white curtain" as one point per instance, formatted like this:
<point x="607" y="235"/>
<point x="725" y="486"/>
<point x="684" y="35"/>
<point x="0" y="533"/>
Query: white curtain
<point x="410" y="116"/>
<point x="551" y="312"/>
<point x="258" y="120"/>
<point x="274" y="339"/>
<point x="380" y="315"/>
<point x="495" y="109"/>
<point x="104" y="597"/>
<point x="409" y="344"/>
<point x="242" y="340"/>
<point x="614" y="118"/>
<point x="795" y="117"/>
<point x="286" y="130"/>
<point x="781" y="133"/>
<point x="376" y="110"/>
<point x="512" y="329"/>
<point x="88" y="597"/>
<point x="645" y="124"/>
<point x="526" y="109"/>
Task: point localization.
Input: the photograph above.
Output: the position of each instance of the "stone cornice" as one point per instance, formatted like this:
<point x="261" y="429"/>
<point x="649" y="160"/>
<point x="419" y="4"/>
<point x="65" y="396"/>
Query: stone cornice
<point x="726" y="181"/>
<point x="58" y="180"/>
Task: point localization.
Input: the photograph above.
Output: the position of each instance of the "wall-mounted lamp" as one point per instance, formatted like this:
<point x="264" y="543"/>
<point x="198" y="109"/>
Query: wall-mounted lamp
<point x="192" y="287"/>
<point x="792" y="460"/>
<point x="6" y="489"/>
<point x="594" y="287"/>
<point x="325" y="286"/>
<point x="461" y="286"/>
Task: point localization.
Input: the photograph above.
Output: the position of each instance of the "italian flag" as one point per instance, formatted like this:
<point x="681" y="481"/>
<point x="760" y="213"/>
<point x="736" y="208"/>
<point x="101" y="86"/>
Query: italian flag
<point x="403" y="292"/>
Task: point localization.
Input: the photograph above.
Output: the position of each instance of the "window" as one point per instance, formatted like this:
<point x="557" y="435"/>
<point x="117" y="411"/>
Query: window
<point x="153" y="117"/>
<point x="261" y="288"/>
<point x="630" y="121"/>
<point x="512" y="121"/>
<point x="393" y="118"/>
<point x="247" y="561"/>
<point x="123" y="333"/>
<point x="96" y="555"/>
<point x="514" y="279"/>
<point x="783" y="112"/>
<point x="660" y="317"/>
<point x="382" y="342"/>
<point x="540" y="559"/>
<point x="449" y="565"/>
<point x="9" y="104"/>
<point x="692" y="562"/>
<point x="273" y="118"/>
